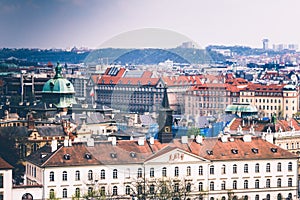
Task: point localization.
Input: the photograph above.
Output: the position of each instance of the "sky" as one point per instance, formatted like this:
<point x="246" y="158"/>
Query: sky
<point x="121" y="23"/>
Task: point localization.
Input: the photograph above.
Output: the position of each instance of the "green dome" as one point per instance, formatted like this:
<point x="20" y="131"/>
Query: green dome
<point x="59" y="91"/>
<point x="60" y="85"/>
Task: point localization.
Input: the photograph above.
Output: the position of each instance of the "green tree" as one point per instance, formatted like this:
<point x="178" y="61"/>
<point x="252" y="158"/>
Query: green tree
<point x="193" y="131"/>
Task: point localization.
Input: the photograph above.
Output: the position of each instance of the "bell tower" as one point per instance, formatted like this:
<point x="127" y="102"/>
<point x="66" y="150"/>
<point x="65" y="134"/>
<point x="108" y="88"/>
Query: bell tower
<point x="165" y="120"/>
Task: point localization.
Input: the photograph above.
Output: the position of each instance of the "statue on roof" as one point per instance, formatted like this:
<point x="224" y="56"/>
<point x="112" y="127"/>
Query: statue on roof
<point x="58" y="70"/>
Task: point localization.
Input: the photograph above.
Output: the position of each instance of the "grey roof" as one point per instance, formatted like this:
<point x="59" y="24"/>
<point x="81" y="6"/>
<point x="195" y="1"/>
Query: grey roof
<point x="93" y="118"/>
<point x="146" y="120"/>
<point x="16" y="131"/>
<point x="50" y="130"/>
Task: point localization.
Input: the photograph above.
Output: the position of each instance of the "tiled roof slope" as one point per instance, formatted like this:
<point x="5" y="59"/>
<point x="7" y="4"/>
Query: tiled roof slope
<point x="4" y="164"/>
<point x="130" y="152"/>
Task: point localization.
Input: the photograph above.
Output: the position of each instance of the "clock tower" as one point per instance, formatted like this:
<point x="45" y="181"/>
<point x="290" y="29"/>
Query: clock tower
<point x="165" y="120"/>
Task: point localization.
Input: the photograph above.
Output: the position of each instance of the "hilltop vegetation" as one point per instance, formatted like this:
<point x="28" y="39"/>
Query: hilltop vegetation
<point x="109" y="55"/>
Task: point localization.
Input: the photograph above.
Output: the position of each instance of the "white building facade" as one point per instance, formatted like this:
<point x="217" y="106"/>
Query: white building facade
<point x="213" y="168"/>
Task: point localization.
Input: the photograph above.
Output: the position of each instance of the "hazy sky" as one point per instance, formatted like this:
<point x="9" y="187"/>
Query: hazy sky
<point x="90" y="23"/>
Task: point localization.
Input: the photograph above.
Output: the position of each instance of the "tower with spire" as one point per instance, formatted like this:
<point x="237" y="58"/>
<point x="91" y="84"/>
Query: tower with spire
<point x="165" y="120"/>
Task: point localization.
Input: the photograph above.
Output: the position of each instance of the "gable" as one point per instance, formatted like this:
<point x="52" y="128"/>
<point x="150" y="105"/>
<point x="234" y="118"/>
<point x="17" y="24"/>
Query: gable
<point x="174" y="156"/>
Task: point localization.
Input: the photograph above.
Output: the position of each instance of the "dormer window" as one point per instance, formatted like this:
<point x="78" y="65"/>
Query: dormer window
<point x="274" y="150"/>
<point x="88" y="156"/>
<point x="132" y="154"/>
<point x="67" y="156"/>
<point x="234" y="151"/>
<point x="254" y="150"/>
<point x="209" y="152"/>
<point x="113" y="155"/>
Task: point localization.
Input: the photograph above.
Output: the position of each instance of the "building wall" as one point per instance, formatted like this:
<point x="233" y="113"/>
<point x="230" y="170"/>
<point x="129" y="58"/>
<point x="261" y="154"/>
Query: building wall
<point x="127" y="175"/>
<point x="6" y="190"/>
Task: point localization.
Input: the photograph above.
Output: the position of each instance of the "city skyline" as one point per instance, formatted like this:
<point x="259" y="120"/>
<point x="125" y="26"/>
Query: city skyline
<point x="68" y="23"/>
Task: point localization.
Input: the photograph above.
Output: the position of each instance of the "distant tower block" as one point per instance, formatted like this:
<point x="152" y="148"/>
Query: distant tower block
<point x="265" y="44"/>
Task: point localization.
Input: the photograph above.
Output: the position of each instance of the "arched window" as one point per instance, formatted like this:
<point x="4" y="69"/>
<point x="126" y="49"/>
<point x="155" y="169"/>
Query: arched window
<point x="223" y="185"/>
<point x="234" y="169"/>
<point x="279" y="167"/>
<point x="127" y="190"/>
<point x="115" y="190"/>
<point x="223" y="169"/>
<point x="152" y="172"/>
<point x="51" y="176"/>
<point x="77" y="175"/>
<point x="234" y="185"/>
<point x="176" y="171"/>
<point x="290" y="182"/>
<point x="77" y="192"/>
<point x="268" y="197"/>
<point x="246" y="184"/>
<point x="90" y="191"/>
<point x="152" y="188"/>
<point x="212" y="185"/>
<point x="290" y="166"/>
<point x="102" y="191"/>
<point x="256" y="168"/>
<point x="268" y="167"/>
<point x="26" y="196"/>
<point x="140" y="173"/>
<point x="246" y="168"/>
<point x="200" y="186"/>
<point x="256" y="183"/>
<point x="164" y="171"/>
<point x="257" y="197"/>
<point x="188" y="187"/>
<point x="65" y="193"/>
<point x="200" y="170"/>
<point x="188" y="171"/>
<point x="279" y="197"/>
<point x="115" y="174"/>
<point x="268" y="183"/>
<point x="102" y="174"/>
<point x="64" y="176"/>
<point x="51" y="194"/>
<point x="279" y="182"/>
<point x="211" y="169"/>
<point x="90" y="175"/>
<point x="139" y="189"/>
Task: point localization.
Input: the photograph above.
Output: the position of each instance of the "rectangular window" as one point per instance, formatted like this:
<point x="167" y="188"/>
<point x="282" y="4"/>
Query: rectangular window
<point x="1" y="196"/>
<point x="1" y="180"/>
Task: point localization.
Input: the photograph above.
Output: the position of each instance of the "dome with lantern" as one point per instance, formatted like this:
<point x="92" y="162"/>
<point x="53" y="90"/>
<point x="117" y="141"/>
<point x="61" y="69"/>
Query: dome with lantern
<point x="59" y="91"/>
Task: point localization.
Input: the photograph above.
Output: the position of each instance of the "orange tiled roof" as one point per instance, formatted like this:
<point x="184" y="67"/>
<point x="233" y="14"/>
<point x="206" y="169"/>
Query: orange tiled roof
<point x="130" y="152"/>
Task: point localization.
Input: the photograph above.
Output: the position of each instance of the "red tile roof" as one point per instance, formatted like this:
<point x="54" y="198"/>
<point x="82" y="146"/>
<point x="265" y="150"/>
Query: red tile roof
<point x="4" y="164"/>
<point x="130" y="152"/>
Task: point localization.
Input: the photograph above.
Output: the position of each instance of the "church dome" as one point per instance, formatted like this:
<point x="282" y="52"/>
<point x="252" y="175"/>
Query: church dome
<point x="59" y="91"/>
<point x="58" y="84"/>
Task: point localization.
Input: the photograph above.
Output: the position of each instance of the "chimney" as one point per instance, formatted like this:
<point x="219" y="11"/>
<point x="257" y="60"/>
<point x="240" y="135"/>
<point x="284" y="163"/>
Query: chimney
<point x="151" y="140"/>
<point x="224" y="138"/>
<point x="269" y="138"/>
<point x="70" y="142"/>
<point x="53" y="145"/>
<point x="184" y="139"/>
<point x="199" y="139"/>
<point x="247" y="138"/>
<point x="66" y="143"/>
<point x="141" y="141"/>
<point x="114" y="141"/>
<point x="90" y="142"/>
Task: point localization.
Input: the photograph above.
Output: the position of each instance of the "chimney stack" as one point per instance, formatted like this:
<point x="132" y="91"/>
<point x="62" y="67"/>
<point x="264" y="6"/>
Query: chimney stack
<point x="53" y="145"/>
